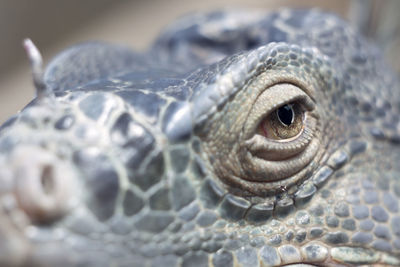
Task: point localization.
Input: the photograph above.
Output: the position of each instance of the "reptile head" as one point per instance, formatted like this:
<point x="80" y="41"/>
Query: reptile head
<point x="239" y="139"/>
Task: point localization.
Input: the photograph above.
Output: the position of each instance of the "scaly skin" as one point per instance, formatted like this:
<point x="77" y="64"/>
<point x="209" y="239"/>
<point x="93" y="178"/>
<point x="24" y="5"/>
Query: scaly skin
<point x="157" y="159"/>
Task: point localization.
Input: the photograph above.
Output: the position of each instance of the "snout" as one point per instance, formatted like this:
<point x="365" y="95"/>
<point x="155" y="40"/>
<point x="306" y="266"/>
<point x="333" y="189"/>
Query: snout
<point x="41" y="182"/>
<point x="36" y="188"/>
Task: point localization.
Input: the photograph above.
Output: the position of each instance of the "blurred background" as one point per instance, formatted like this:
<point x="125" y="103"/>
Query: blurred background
<point x="54" y="25"/>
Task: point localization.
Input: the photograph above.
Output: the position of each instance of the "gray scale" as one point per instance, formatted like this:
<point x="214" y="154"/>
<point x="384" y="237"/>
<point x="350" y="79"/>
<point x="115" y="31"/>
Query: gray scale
<point x="145" y="180"/>
<point x="206" y="218"/>
<point x="92" y="106"/>
<point x="197" y="258"/>
<point x="395" y="225"/>
<point x="316" y="232"/>
<point x="247" y="256"/>
<point x="154" y="222"/>
<point x="160" y="200"/>
<point x="182" y="192"/>
<point x="360" y="212"/>
<point x="65" y="122"/>
<point x="130" y="134"/>
<point x="179" y="159"/>
<point x="362" y="238"/>
<point x="304" y="194"/>
<point x="356" y="147"/>
<point x="148" y="104"/>
<point x="132" y="203"/>
<point x="289" y="253"/>
<point x="342" y="209"/>
<point x="103" y="195"/>
<point x="283" y="207"/>
<point x="379" y="214"/>
<point x="316" y="210"/>
<point x="322" y="176"/>
<point x="382" y="231"/>
<point x="222" y="258"/>
<point x="260" y="213"/>
<point x="338" y="159"/>
<point x="257" y="242"/>
<point x="315" y="252"/>
<point x="367" y="225"/>
<point x="211" y="246"/>
<point x="396" y="243"/>
<point x="232" y="245"/>
<point x="289" y="235"/>
<point x="382" y="245"/>
<point x="371" y="197"/>
<point x="269" y="255"/>
<point x="189" y="212"/>
<point x="300" y="236"/>
<point x="302" y="218"/>
<point x="336" y="238"/>
<point x="233" y="208"/>
<point x="211" y="193"/>
<point x="390" y="202"/>
<point x="119" y="225"/>
<point x="275" y="240"/>
<point x="169" y="260"/>
<point x="332" y="221"/>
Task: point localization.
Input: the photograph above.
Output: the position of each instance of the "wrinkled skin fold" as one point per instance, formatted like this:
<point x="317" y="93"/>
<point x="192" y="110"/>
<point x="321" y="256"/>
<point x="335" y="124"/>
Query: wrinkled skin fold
<point x="159" y="159"/>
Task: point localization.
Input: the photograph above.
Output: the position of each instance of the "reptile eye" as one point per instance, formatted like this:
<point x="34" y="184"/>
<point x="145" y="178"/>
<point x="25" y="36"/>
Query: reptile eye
<point x="281" y="134"/>
<point x="271" y="142"/>
<point x="283" y="123"/>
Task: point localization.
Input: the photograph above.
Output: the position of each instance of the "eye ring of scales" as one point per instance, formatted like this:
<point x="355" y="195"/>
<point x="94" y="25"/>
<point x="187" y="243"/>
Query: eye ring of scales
<point x="157" y="158"/>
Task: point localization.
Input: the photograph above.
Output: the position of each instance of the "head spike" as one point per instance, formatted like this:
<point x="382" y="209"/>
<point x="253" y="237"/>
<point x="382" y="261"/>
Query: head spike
<point x="36" y="61"/>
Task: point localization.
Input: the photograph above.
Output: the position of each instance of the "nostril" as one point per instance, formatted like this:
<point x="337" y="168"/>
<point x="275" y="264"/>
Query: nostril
<point x="43" y="183"/>
<point x="46" y="179"/>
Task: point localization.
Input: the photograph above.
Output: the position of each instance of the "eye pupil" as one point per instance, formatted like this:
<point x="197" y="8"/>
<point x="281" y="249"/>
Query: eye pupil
<point x="285" y="115"/>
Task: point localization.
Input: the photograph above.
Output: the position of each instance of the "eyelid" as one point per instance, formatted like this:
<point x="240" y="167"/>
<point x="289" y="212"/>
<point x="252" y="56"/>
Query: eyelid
<point x="271" y="99"/>
<point x="271" y="149"/>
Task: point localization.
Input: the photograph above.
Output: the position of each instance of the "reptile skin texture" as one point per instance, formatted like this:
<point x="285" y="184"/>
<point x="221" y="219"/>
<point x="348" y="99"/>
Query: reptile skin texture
<point x="240" y="138"/>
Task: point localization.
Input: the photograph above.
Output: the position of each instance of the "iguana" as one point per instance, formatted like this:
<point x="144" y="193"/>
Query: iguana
<point x="240" y="138"/>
